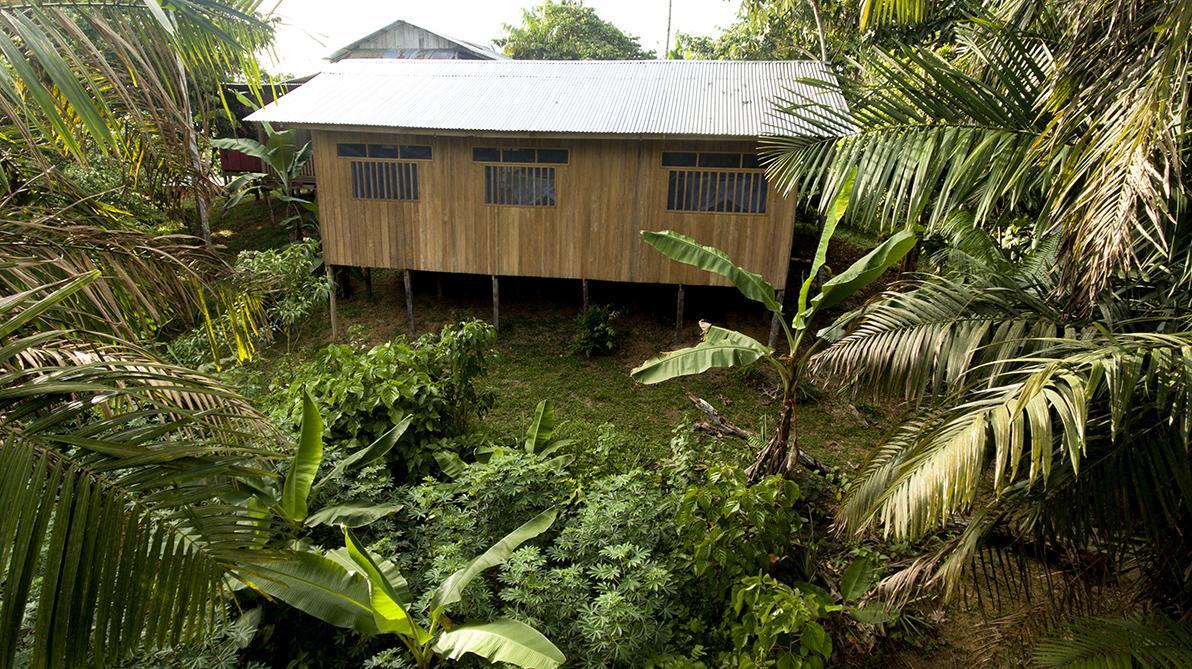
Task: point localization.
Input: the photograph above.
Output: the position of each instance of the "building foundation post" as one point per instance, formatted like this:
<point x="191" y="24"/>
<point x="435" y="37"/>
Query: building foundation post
<point x="408" y="283"/>
<point x="334" y="290"/>
<point x="585" y="287"/>
<point x="680" y="301"/>
<point x="496" y="304"/>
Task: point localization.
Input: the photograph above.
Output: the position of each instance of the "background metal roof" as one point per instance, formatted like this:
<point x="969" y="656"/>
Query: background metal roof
<point x="653" y="97"/>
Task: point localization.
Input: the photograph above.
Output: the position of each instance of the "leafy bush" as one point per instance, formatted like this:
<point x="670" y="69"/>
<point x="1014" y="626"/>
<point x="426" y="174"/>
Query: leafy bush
<point x="774" y="625"/>
<point x="596" y="334"/>
<point x="294" y="289"/>
<point x="363" y="392"/>
<point x="731" y="529"/>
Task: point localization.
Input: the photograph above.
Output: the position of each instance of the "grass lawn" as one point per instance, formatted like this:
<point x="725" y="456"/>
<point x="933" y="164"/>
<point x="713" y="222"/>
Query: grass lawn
<point x="535" y="361"/>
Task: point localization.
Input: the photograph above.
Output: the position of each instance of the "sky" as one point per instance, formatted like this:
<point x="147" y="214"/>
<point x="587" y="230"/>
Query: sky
<point x="311" y="29"/>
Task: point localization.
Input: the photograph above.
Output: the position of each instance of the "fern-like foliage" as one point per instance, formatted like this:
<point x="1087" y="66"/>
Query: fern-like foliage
<point x="1096" y="643"/>
<point x="114" y="471"/>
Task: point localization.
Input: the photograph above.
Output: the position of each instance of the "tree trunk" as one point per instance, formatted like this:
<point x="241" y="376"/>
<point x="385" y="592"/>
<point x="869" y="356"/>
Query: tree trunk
<point x="782" y="453"/>
<point x="202" y="227"/>
<point x="819" y="30"/>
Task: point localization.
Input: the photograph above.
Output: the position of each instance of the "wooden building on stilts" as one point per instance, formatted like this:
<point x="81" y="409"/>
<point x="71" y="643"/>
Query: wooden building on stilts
<point x="551" y="169"/>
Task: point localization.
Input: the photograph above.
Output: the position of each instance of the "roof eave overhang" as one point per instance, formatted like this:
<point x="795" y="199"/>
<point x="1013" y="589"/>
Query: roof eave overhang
<point x="447" y="132"/>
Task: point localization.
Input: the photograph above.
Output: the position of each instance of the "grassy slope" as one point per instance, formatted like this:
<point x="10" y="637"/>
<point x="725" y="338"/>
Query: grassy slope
<point x="535" y="363"/>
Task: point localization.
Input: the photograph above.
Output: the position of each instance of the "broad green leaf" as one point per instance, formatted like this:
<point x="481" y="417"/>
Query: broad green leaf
<point x="305" y="464"/>
<point x="451" y="464"/>
<point x="450" y="590"/>
<point x="249" y="147"/>
<point x="392" y="574"/>
<point x="366" y="456"/>
<point x="872" y="614"/>
<point x="315" y="585"/>
<point x="857" y="579"/>
<point x="352" y="515"/>
<point x="719" y="348"/>
<point x="542" y="427"/>
<point x="831" y="219"/>
<point x="388" y="612"/>
<point x="504" y="640"/>
<point x="686" y="250"/>
<point x="864" y="271"/>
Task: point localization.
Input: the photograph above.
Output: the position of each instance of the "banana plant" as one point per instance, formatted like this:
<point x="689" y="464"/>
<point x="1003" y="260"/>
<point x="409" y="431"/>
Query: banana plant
<point x="284" y="160"/>
<point x="721" y="347"/>
<point x="540" y="440"/>
<point x="291" y="501"/>
<point x="351" y="588"/>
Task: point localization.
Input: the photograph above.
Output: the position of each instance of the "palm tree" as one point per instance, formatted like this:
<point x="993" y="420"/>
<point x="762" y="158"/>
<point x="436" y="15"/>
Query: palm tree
<point x="120" y="474"/>
<point x="128" y="78"/>
<point x="1049" y="359"/>
<point x="114" y="466"/>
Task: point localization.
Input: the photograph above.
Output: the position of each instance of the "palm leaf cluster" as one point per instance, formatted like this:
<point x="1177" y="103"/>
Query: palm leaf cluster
<point x="1046" y="351"/>
<point x="116" y="469"/>
<point x="121" y="475"/>
<point x="135" y="80"/>
<point x="1066" y="115"/>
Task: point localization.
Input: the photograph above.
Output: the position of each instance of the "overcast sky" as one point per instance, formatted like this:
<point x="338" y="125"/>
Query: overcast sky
<point x="313" y="28"/>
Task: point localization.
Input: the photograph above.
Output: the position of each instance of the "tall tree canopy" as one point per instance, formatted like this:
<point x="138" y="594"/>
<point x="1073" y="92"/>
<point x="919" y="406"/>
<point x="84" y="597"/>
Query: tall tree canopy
<point x="568" y="30"/>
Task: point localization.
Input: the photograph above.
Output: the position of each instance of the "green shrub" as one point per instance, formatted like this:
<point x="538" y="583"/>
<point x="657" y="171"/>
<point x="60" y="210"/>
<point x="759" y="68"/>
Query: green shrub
<point x="596" y="334"/>
<point x="730" y="529"/>
<point x="774" y="625"/>
<point x="296" y="286"/>
<point x="363" y="392"/>
<point x="294" y="289"/>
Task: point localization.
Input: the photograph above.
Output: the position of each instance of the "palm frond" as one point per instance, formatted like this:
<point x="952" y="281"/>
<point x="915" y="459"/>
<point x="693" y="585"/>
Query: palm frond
<point x="1118" y="101"/>
<point x="939" y="335"/>
<point x="1099" y="643"/>
<point x="926" y="138"/>
<point x="77" y="68"/>
<point x="1032" y="420"/>
<point x="146" y="283"/>
<point x="114" y="471"/>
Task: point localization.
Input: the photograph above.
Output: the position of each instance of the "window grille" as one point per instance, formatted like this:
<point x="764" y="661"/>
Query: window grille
<point x="376" y="180"/>
<point x="519" y="185"/>
<point x="726" y="192"/>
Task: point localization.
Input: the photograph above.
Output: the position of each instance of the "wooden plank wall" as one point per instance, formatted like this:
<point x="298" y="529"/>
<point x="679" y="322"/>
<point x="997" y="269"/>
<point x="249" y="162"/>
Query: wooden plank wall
<point x="606" y="194"/>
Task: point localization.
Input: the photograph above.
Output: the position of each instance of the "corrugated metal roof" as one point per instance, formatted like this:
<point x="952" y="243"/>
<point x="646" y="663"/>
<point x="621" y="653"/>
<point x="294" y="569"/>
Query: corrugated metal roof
<point x="482" y="52"/>
<point x="653" y="97"/>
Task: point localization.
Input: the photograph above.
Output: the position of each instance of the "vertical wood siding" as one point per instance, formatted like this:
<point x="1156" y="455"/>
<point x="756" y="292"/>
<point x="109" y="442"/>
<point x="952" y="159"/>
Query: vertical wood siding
<point x="605" y="194"/>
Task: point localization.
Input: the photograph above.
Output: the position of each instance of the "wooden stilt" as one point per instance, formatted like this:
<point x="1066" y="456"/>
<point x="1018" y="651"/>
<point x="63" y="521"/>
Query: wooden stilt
<point x="439" y="286"/>
<point x="368" y="281"/>
<point x="680" y="300"/>
<point x="334" y="312"/>
<point x="585" y="282"/>
<point x="496" y="304"/>
<point x="775" y="326"/>
<point x="408" y="281"/>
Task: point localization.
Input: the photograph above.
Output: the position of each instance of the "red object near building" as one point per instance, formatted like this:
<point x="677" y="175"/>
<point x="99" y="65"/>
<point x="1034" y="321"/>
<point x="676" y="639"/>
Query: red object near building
<point x="235" y="162"/>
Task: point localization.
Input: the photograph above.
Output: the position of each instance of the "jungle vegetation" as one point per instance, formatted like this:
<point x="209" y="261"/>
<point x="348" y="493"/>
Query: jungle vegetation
<point x="184" y="486"/>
